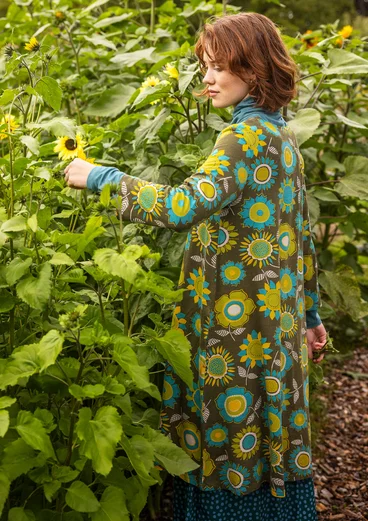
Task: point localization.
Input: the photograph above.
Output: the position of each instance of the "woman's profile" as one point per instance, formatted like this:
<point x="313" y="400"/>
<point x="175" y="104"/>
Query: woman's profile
<point x="250" y="271"/>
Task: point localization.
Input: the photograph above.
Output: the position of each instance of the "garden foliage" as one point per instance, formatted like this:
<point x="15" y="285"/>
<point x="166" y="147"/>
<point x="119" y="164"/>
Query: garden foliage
<point x="86" y="300"/>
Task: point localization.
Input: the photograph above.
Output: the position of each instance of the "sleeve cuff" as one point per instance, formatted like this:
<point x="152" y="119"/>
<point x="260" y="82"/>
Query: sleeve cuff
<point x="313" y="319"/>
<point x="102" y="175"/>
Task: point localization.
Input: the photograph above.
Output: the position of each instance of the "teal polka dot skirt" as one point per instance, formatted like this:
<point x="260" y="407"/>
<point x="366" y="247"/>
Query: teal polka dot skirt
<point x="193" y="504"/>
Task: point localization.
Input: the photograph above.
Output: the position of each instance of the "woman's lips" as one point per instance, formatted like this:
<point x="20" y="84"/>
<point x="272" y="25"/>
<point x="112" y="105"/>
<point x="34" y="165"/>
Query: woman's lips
<point x="212" y="93"/>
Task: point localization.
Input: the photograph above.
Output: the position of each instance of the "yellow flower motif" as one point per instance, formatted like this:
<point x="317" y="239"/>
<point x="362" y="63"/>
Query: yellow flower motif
<point x="199" y="287"/>
<point x="151" y="81"/>
<point x="227" y="237"/>
<point x="252" y="141"/>
<point x="269" y="300"/>
<point x="216" y="162"/>
<point x="9" y="121"/>
<point x="190" y="438"/>
<point x="287" y="242"/>
<point x="285" y="439"/>
<point x="308" y="267"/>
<point x="172" y="71"/>
<point x="255" y="350"/>
<point x="234" y="309"/>
<point x="272" y="451"/>
<point x="177" y="321"/>
<point x="208" y="464"/>
<point x="32" y="45"/>
<point x="346" y="31"/>
<point x="69" y="148"/>
<point x="246" y="442"/>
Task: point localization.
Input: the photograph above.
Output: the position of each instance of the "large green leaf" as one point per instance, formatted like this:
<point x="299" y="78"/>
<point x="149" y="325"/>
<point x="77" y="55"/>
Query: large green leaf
<point x="49" y="89"/>
<point x="354" y="183"/>
<point x="112" y="506"/>
<point x="87" y="391"/>
<point x="35" y="291"/>
<point x="137" y="462"/>
<point x="111" y="102"/>
<point x="4" y="423"/>
<point x="186" y="75"/>
<point x="124" y="355"/>
<point x="343" y="289"/>
<point x="149" y="128"/>
<point x="20" y="514"/>
<point x="4" y="490"/>
<point x="31" y="430"/>
<point x="100" y="436"/>
<point x="7" y="301"/>
<point x="345" y="62"/>
<point x="19" y="458"/>
<point x="150" y="94"/>
<point x="104" y="22"/>
<point x="305" y="123"/>
<point x="57" y="126"/>
<point x="15" y="224"/>
<point x="176" y="348"/>
<point x="80" y="498"/>
<point x="172" y="457"/>
<point x="16" y="269"/>
<point x="129" y="59"/>
<point x="6" y="401"/>
<point x="136" y="495"/>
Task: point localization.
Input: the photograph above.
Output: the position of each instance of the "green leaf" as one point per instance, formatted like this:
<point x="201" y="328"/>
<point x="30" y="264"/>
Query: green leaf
<point x="49" y="89"/>
<point x="113" y="506"/>
<point x="105" y="196"/>
<point x="7" y="96"/>
<point x="31" y="430"/>
<point x="15" y="224"/>
<point x="350" y="122"/>
<point x="136" y="496"/>
<point x="6" y="401"/>
<point x="344" y="62"/>
<point x="354" y="183"/>
<point x="64" y="474"/>
<point x="36" y="291"/>
<point x="104" y="22"/>
<point x="19" y="458"/>
<point x="172" y="457"/>
<point x="31" y="143"/>
<point x="304" y="124"/>
<point x="60" y="259"/>
<point x="80" y="498"/>
<point x="92" y="6"/>
<point x="49" y="348"/>
<point x="100" y="436"/>
<point x="137" y="463"/>
<point x="16" y="269"/>
<point x="99" y="40"/>
<point x="20" y="514"/>
<point x="176" y="348"/>
<point x="7" y="301"/>
<point x="111" y="102"/>
<point x="216" y="122"/>
<point x="57" y="126"/>
<point x="4" y="423"/>
<point x="50" y="489"/>
<point x="124" y="355"/>
<point x="149" y="94"/>
<point x="87" y="391"/>
<point x="186" y="75"/>
<point x="32" y="223"/>
<point x="343" y="289"/>
<point x="4" y="490"/>
<point x="149" y="128"/>
<point x="129" y="59"/>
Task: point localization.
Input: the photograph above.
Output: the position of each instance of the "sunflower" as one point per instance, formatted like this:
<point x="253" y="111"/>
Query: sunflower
<point x="346" y="31"/>
<point x="151" y="81"/>
<point x="69" y="148"/>
<point x="10" y="123"/>
<point x="172" y="71"/>
<point x="32" y="45"/>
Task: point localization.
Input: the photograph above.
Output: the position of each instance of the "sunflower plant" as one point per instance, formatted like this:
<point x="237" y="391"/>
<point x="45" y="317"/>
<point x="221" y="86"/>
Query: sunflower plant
<point x="83" y="340"/>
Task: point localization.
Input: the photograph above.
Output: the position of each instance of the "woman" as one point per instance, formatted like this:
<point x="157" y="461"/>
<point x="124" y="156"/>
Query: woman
<point x="249" y="268"/>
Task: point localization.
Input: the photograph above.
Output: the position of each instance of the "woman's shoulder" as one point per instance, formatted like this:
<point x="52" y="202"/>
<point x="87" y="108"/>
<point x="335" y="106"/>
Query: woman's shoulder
<point x="259" y="128"/>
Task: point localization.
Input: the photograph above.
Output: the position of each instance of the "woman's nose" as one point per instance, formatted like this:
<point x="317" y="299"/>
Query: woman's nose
<point x="208" y="78"/>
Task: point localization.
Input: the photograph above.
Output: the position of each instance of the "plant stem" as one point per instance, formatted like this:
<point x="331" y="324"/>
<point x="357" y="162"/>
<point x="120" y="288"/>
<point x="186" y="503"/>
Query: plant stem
<point x="152" y="19"/>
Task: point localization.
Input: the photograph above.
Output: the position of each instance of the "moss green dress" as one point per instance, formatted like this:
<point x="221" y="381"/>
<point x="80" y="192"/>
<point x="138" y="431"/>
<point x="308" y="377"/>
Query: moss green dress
<point x="249" y="269"/>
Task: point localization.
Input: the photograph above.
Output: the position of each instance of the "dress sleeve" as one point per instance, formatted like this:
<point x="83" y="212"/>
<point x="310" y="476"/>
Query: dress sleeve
<point x="100" y="176"/>
<point x="311" y="287"/>
<point x="215" y="184"/>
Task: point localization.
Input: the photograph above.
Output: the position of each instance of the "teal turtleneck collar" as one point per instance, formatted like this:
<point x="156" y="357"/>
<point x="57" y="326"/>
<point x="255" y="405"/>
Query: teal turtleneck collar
<point x="247" y="109"/>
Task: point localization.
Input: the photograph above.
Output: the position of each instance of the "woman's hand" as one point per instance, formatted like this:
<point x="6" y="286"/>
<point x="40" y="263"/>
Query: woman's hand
<point x="316" y="339"/>
<point x="76" y="173"/>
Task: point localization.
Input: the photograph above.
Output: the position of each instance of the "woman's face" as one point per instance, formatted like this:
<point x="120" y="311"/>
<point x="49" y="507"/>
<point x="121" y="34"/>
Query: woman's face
<point x="225" y="87"/>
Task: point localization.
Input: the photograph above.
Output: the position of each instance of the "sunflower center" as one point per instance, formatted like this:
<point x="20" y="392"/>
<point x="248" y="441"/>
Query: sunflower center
<point x="70" y="144"/>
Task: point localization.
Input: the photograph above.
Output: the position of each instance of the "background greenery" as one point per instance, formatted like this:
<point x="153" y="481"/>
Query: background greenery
<point x="86" y="300"/>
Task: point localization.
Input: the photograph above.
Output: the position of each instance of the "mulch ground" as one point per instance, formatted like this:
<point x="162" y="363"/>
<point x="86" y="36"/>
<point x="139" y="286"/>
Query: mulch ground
<point x="341" y="453"/>
<point x="340" y="456"/>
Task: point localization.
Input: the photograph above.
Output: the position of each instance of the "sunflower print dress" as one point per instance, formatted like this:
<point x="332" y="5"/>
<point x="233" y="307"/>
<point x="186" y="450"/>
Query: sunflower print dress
<point x="250" y="274"/>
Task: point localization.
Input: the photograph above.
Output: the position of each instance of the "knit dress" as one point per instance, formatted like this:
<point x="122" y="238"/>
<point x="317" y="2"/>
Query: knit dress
<point x="250" y="274"/>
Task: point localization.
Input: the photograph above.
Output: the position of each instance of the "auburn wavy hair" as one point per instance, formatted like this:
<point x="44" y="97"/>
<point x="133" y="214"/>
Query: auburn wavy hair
<point x="247" y="43"/>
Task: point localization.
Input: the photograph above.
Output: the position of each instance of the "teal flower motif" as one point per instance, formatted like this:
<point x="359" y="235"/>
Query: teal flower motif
<point x="195" y="399"/>
<point x="263" y="174"/>
<point x="300" y="308"/>
<point x="180" y="205"/>
<point x="232" y="273"/>
<point x="288" y="157"/>
<point x="200" y="364"/>
<point x="241" y="174"/>
<point x="207" y="191"/>
<point x="196" y="324"/>
<point x="299" y="221"/>
<point x="234" y="404"/>
<point x="273" y="420"/>
<point x="287" y="195"/>
<point x="260" y="468"/>
<point x="311" y="300"/>
<point x="300" y="461"/>
<point x="277" y="336"/>
<point x="270" y="382"/>
<point x="217" y="435"/>
<point x="299" y="420"/>
<point x="269" y="127"/>
<point x="171" y="391"/>
<point x="256" y="350"/>
<point x="288" y="283"/>
<point x="286" y="360"/>
<point x="188" y="241"/>
<point x="234" y="477"/>
<point x="258" y="213"/>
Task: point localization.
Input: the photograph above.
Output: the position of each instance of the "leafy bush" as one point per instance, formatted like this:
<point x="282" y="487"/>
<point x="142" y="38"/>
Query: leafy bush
<point x="86" y="300"/>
